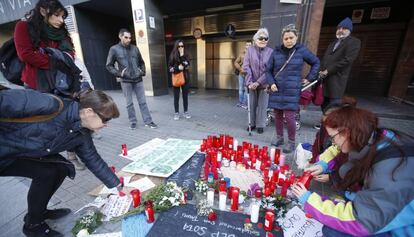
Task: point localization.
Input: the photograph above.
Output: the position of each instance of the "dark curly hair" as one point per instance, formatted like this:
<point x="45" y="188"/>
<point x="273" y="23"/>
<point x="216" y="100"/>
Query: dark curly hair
<point x="35" y="19"/>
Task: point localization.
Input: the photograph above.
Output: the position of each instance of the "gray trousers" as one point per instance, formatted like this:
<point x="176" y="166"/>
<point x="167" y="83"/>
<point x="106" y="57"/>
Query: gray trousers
<point x="258" y="100"/>
<point x="128" y="88"/>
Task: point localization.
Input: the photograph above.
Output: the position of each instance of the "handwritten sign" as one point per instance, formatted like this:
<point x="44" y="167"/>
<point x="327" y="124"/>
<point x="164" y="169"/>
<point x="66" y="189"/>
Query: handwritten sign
<point x="116" y="206"/>
<point x="184" y="222"/>
<point x="296" y="224"/>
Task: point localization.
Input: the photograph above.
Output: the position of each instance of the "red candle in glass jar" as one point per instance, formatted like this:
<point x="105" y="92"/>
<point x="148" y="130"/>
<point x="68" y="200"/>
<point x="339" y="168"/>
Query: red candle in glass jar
<point x="306" y="179"/>
<point x="124" y="149"/>
<point x="269" y="219"/>
<point x="258" y="193"/>
<point x="136" y="197"/>
<point x="265" y="173"/>
<point x="149" y="211"/>
<point x="222" y="185"/>
<point x="285" y="186"/>
<point x="275" y="176"/>
<point x="277" y="156"/>
<point x="235" y="198"/>
<point x="229" y="191"/>
<point x="267" y="191"/>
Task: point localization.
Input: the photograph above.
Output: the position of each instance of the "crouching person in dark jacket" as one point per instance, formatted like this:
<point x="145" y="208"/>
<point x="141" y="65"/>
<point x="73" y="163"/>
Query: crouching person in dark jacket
<point x="30" y="146"/>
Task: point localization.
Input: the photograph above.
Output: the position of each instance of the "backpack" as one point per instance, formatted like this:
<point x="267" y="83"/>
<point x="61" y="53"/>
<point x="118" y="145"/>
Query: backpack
<point x="10" y="64"/>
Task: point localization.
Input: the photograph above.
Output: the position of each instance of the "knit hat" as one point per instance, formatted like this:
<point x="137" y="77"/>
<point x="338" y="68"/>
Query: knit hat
<point x="346" y="23"/>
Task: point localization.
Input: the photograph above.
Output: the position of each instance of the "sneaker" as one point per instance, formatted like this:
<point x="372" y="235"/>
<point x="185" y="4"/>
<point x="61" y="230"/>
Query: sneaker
<point x="298" y="125"/>
<point x="279" y="142"/>
<point x="133" y="126"/>
<point x="243" y="106"/>
<point x="53" y="214"/>
<point x="151" y="125"/>
<point x="259" y="130"/>
<point x="187" y="115"/>
<point x="317" y="126"/>
<point x="40" y="230"/>
<point x="176" y="116"/>
<point x="290" y="146"/>
<point x="238" y="105"/>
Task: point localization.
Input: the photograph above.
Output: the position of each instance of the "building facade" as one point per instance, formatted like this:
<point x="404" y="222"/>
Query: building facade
<point x="215" y="32"/>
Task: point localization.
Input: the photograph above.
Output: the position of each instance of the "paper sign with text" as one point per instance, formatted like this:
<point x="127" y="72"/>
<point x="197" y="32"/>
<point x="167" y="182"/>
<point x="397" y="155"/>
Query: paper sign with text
<point x="296" y="224"/>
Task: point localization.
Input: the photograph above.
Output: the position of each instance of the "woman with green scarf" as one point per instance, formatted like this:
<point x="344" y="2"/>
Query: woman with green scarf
<point x="42" y="27"/>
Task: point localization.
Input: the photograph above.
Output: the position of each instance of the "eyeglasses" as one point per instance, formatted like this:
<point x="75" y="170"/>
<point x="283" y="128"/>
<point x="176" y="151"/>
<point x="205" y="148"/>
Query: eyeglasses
<point x="263" y="38"/>
<point x="104" y="120"/>
<point x="333" y="136"/>
<point x="180" y="46"/>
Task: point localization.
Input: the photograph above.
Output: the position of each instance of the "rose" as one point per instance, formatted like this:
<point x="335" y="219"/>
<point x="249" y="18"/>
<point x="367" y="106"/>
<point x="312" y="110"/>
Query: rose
<point x="212" y="216"/>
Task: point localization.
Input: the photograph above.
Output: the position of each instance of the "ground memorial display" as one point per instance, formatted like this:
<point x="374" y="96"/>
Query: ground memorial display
<point x="226" y="203"/>
<point x="183" y="221"/>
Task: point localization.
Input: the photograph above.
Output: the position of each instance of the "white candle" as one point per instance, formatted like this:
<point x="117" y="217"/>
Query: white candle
<point x="222" y="201"/>
<point x="219" y="156"/>
<point x="235" y="144"/>
<point x="258" y="164"/>
<point x="272" y="154"/>
<point x="254" y="212"/>
<point x="246" y="154"/>
<point x="225" y="162"/>
<point x="210" y="197"/>
<point x="282" y="159"/>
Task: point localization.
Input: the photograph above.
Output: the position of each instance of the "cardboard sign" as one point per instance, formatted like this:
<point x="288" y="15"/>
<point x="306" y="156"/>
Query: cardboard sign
<point x="296" y="224"/>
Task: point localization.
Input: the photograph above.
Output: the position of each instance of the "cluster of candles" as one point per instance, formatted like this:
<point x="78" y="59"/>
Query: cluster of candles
<point x="224" y="150"/>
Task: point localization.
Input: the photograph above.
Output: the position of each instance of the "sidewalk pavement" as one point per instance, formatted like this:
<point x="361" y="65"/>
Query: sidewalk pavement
<point x="213" y="112"/>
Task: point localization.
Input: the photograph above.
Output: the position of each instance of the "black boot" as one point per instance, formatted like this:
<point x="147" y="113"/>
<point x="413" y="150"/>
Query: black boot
<point x="53" y="214"/>
<point x="40" y="230"/>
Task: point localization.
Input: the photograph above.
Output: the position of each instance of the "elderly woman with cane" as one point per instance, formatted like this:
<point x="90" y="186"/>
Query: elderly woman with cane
<point x="254" y="65"/>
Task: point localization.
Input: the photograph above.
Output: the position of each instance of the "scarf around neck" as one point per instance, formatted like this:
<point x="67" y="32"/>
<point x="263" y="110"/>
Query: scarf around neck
<point x="60" y="36"/>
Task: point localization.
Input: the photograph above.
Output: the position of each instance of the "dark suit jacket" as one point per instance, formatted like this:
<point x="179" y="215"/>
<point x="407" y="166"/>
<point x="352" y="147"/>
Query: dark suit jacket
<point x="339" y="63"/>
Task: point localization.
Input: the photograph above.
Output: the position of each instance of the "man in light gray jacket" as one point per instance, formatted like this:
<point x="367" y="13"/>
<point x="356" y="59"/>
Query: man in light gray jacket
<point x="130" y="69"/>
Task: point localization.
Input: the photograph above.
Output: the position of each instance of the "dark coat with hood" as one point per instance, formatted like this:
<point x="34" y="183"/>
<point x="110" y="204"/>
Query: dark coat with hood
<point x="42" y="140"/>
<point x="289" y="80"/>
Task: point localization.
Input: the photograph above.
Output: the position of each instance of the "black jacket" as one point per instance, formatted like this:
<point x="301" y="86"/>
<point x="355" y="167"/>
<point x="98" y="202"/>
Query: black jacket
<point x="129" y="60"/>
<point x="41" y="140"/>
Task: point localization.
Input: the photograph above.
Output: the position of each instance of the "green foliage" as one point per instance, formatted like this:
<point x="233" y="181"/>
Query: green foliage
<point x="90" y="221"/>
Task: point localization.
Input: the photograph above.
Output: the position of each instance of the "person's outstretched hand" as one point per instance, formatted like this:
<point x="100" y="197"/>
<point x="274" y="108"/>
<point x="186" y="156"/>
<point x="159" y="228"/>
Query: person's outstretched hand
<point x="315" y="170"/>
<point x="299" y="189"/>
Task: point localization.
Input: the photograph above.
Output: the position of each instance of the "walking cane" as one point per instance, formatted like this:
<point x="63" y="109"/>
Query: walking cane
<point x="311" y="84"/>
<point x="248" y="111"/>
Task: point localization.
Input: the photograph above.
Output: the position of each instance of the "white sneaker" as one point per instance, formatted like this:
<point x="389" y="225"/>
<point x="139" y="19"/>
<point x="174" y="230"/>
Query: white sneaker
<point x="187" y="115"/>
<point x="176" y="116"/>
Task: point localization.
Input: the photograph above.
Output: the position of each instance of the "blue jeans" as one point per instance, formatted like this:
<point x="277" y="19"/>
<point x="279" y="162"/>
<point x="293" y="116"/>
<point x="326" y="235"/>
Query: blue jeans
<point x="242" y="91"/>
<point x="128" y="88"/>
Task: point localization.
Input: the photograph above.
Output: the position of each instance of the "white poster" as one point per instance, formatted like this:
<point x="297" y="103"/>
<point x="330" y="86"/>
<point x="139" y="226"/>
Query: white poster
<point x="296" y="223"/>
<point x="165" y="159"/>
<point x="143" y="150"/>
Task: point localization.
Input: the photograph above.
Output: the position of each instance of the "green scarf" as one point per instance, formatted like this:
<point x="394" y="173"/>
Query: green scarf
<point x="58" y="35"/>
